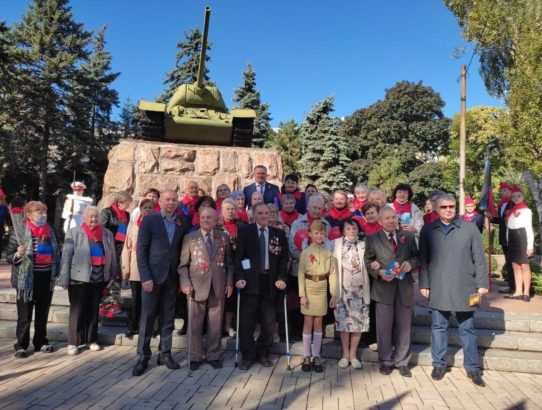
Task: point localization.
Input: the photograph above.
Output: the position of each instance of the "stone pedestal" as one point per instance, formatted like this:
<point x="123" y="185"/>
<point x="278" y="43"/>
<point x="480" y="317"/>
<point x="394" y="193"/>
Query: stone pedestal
<point x="136" y="165"/>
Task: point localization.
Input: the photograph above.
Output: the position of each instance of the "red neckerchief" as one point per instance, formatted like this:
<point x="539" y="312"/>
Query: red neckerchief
<point x="297" y="195"/>
<point x="359" y="204"/>
<point x="242" y="215"/>
<point x="469" y="218"/>
<point x="405" y="208"/>
<point x="515" y="210"/>
<point x="156" y="208"/>
<point x="430" y="217"/>
<point x="122" y="215"/>
<point x="323" y="214"/>
<point x="93" y="234"/>
<point x="340" y="215"/>
<point x="231" y="226"/>
<point x="289" y="218"/>
<point x="502" y="202"/>
<point x="42" y="233"/>
<point x="139" y="218"/>
<point x="195" y="219"/>
<point x="371" y="227"/>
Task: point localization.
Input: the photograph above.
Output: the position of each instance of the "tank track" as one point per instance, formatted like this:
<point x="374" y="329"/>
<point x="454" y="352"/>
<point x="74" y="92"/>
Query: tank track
<point x="243" y="131"/>
<point x="152" y="125"/>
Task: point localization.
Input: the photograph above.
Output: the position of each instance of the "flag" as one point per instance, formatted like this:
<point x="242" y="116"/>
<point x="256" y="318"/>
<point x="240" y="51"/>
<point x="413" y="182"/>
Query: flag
<point x="487" y="202"/>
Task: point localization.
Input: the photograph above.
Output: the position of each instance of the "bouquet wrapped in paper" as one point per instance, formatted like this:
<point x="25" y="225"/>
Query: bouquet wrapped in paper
<point x="24" y="238"/>
<point x="393" y="269"/>
<point x="111" y="300"/>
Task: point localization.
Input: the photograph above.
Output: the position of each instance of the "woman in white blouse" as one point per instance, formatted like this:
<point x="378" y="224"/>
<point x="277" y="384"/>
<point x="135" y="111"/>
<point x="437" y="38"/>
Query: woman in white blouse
<point x="520" y="243"/>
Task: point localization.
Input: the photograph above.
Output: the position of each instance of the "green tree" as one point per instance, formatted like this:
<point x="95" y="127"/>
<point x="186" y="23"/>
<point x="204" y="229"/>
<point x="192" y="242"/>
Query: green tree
<point x="48" y="47"/>
<point x="407" y="124"/>
<point x="186" y="64"/>
<point x="323" y="160"/>
<point x="248" y="96"/>
<point x="287" y="142"/>
<point x="127" y="119"/>
<point x="509" y="43"/>
<point x="386" y="175"/>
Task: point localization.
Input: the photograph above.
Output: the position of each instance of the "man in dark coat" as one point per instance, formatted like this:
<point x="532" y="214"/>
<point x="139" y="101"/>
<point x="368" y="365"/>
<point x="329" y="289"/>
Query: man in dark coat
<point x="261" y="260"/>
<point x="269" y="191"/>
<point x="453" y="269"/>
<point x="394" y="296"/>
<point x="158" y="252"/>
<point x="505" y="192"/>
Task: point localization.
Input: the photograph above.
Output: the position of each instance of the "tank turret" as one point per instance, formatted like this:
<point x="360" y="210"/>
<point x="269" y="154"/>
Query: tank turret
<point x="196" y="113"/>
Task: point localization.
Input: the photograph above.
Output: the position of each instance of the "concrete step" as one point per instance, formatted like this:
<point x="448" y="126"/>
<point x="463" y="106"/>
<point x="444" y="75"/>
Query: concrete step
<point x="491" y="359"/>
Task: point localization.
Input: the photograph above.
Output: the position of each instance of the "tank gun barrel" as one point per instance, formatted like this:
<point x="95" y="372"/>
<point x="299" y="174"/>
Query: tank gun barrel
<point x="201" y="67"/>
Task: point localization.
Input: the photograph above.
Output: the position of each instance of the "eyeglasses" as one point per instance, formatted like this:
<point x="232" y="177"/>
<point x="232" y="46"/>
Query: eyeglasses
<point x="447" y="206"/>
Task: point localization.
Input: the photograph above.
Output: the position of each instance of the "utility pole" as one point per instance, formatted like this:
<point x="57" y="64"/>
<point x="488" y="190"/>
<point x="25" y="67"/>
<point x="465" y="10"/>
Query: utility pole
<point x="462" y="139"/>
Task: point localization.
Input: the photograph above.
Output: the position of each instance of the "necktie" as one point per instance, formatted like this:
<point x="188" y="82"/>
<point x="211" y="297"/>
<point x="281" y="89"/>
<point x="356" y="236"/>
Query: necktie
<point x="260" y="189"/>
<point x="262" y="247"/>
<point x="392" y="242"/>
<point x="209" y="244"/>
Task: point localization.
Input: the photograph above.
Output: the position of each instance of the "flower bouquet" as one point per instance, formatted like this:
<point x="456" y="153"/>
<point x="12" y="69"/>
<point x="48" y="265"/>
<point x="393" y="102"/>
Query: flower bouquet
<point x="393" y="269"/>
<point x="111" y="300"/>
<point x="24" y="278"/>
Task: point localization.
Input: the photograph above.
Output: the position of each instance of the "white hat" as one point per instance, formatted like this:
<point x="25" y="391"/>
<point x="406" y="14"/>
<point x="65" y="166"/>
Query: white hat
<point x="78" y="185"/>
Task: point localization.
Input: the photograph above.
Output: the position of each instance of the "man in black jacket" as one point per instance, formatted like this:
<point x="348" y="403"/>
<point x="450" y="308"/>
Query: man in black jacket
<point x="261" y="261"/>
<point x="158" y="254"/>
<point x="505" y="192"/>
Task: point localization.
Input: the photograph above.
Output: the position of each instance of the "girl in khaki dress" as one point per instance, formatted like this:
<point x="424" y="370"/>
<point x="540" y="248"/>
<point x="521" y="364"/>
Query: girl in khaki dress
<point x="317" y="272"/>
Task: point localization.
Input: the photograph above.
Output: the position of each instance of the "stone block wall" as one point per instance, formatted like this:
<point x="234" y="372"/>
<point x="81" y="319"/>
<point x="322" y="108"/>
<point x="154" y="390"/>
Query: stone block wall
<point x="136" y="165"/>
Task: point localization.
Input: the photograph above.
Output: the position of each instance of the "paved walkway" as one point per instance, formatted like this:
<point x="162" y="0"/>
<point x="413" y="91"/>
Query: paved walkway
<point x="98" y="380"/>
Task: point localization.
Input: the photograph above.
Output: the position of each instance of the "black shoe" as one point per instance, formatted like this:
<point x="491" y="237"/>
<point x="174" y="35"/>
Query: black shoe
<point x="317" y="365"/>
<point x="217" y="364"/>
<point x="438" y="373"/>
<point x="526" y="298"/>
<point x="476" y="378"/>
<point x="405" y="371"/>
<point x="168" y="361"/>
<point x="194" y="365"/>
<point x="130" y="335"/>
<point x="385" y="369"/>
<point x="245" y="364"/>
<point x="21" y="354"/>
<point x="141" y="365"/>
<point x="306" y="366"/>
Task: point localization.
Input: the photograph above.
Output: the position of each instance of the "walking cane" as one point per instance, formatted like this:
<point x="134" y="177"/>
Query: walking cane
<point x="189" y="332"/>
<point x="237" y="326"/>
<point x="288" y="354"/>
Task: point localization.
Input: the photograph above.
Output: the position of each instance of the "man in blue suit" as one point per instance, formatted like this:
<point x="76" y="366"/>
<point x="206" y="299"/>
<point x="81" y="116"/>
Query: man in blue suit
<point x="260" y="184"/>
<point x="158" y="253"/>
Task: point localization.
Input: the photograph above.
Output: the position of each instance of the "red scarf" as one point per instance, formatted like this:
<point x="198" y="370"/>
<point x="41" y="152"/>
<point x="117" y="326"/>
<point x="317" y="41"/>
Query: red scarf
<point x="297" y="195"/>
<point x="242" y="215"/>
<point x="323" y="214"/>
<point x="469" y="218"/>
<point x="340" y="214"/>
<point x="121" y="215"/>
<point x="515" y="210"/>
<point x="289" y="218"/>
<point x="195" y="219"/>
<point x="218" y="206"/>
<point x="43" y="253"/>
<point x="405" y="208"/>
<point x="190" y="201"/>
<point x="42" y="233"/>
<point x="430" y="217"/>
<point x="359" y="204"/>
<point x="156" y="207"/>
<point x="371" y="227"/>
<point x="97" y="255"/>
<point x="93" y="234"/>
<point x="231" y="226"/>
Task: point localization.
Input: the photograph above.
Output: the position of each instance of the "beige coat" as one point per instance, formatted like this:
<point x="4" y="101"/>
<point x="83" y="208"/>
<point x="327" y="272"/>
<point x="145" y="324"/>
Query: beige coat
<point x="337" y="253"/>
<point x="128" y="256"/>
<point x="200" y="271"/>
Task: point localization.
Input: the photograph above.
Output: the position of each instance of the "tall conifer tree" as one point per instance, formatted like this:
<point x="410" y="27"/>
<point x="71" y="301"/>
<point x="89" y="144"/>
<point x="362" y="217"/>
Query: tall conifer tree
<point x="247" y="96"/>
<point x="324" y="159"/>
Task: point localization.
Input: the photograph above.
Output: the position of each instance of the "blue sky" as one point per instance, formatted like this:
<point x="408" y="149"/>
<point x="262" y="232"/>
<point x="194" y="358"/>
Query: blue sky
<point x="303" y="51"/>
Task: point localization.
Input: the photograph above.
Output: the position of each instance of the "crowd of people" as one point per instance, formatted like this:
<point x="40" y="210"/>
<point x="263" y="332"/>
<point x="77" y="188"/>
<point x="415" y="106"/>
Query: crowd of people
<point x="347" y="258"/>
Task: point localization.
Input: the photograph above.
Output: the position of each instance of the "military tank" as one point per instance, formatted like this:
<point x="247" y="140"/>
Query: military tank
<point x="197" y="114"/>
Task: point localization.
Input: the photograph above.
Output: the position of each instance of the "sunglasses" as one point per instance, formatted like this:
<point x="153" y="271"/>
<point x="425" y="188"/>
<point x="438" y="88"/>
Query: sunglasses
<point x="447" y="207"/>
